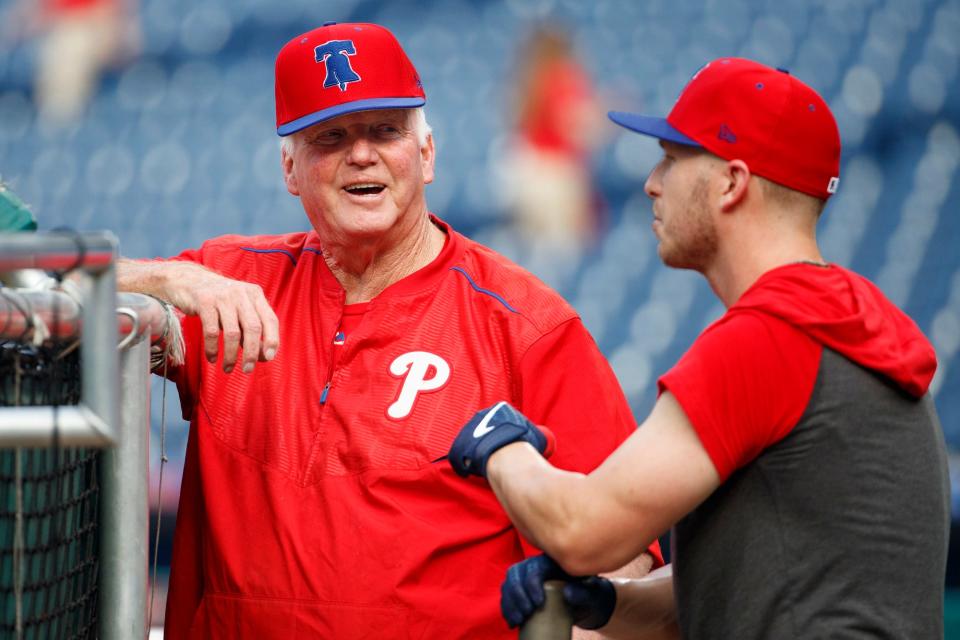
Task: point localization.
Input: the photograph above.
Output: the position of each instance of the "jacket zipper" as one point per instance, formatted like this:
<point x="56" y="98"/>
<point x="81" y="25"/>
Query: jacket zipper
<point x="326" y="388"/>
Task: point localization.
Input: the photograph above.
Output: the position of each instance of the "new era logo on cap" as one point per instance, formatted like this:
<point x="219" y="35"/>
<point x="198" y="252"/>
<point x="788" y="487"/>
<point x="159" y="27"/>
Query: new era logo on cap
<point x="339" y="69"/>
<point x="740" y="109"/>
<point x="726" y="134"/>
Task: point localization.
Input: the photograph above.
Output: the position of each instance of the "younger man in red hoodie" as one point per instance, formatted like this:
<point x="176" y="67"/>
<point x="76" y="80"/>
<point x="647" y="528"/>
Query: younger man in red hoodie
<point x="794" y="448"/>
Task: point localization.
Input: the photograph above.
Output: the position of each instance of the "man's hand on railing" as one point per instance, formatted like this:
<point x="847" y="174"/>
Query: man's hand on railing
<point x="238" y="310"/>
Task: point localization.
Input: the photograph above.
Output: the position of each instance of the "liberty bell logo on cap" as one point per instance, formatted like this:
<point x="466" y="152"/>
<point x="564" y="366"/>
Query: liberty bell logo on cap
<point x="334" y="55"/>
<point x="338" y="69"/>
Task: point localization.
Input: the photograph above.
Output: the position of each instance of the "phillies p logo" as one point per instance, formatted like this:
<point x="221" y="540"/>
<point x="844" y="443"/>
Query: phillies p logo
<point x="334" y="54"/>
<point x="422" y="372"/>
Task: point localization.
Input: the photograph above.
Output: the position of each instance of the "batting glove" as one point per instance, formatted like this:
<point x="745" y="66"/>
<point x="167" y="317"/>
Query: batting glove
<point x="591" y="600"/>
<point x="489" y="430"/>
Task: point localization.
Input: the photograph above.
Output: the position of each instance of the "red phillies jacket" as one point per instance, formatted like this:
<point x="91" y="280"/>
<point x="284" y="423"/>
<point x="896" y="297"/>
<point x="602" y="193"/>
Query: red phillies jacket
<point x="311" y="505"/>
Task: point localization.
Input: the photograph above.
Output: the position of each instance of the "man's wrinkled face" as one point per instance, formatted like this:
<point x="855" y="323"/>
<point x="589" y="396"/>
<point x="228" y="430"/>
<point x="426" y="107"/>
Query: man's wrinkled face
<point x="361" y="176"/>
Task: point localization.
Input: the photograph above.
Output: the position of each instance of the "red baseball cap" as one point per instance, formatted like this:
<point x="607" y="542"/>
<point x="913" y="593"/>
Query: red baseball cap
<point x="740" y="109"/>
<point x="342" y="68"/>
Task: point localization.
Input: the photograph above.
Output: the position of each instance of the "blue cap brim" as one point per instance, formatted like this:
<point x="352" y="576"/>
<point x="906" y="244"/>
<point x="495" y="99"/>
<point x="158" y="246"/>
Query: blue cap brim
<point x="650" y="126"/>
<point x="348" y="107"/>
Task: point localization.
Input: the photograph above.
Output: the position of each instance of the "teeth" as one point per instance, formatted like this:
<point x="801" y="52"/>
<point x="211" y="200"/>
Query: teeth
<point x="364" y="185"/>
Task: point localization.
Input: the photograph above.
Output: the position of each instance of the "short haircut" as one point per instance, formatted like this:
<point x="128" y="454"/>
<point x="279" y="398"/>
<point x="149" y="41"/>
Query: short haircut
<point x="790" y="199"/>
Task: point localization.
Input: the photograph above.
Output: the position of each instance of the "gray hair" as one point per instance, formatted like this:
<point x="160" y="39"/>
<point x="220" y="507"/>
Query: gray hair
<point x="417" y="119"/>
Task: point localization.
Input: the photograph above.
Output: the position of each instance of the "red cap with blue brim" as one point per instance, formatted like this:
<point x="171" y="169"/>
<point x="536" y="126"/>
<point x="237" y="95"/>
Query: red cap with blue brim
<point x="651" y="126"/>
<point x="740" y="109"/>
<point x="342" y="68"/>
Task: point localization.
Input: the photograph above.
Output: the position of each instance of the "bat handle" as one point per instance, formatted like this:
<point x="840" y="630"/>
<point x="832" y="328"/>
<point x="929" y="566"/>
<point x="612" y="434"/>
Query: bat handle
<point x="553" y="621"/>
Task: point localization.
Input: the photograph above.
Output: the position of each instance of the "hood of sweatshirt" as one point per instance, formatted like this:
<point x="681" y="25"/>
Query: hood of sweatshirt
<point x="850" y="315"/>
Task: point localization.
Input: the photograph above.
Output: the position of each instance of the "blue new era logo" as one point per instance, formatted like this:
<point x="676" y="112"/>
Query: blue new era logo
<point x="726" y="134"/>
<point x="334" y="55"/>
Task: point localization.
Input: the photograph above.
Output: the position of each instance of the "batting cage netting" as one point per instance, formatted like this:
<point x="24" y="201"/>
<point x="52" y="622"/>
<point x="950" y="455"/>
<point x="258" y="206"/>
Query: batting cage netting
<point x="75" y="362"/>
<point x="48" y="507"/>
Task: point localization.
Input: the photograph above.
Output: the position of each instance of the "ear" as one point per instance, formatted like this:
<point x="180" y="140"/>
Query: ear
<point x="289" y="175"/>
<point x="427" y="155"/>
<point x="736" y="178"/>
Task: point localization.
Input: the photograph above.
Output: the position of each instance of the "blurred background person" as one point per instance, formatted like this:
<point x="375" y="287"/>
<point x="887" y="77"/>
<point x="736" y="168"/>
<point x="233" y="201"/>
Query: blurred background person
<point x="555" y="204"/>
<point x="78" y="40"/>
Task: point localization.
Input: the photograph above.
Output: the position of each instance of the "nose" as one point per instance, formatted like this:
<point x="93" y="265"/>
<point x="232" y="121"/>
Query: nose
<point x="362" y="152"/>
<point x="653" y="185"/>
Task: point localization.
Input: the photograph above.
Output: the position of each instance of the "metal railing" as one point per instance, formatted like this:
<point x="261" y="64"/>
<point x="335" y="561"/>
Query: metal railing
<point x="115" y="333"/>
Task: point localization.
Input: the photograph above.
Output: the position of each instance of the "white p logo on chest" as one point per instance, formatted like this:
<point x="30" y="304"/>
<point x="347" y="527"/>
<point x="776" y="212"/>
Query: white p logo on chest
<point x="422" y="372"/>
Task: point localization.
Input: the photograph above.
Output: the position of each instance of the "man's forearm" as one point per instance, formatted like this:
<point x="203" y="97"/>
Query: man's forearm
<point x="236" y="310"/>
<point x="596" y="523"/>
<point x="552" y="509"/>
<point x="139" y="276"/>
<point x="166" y="280"/>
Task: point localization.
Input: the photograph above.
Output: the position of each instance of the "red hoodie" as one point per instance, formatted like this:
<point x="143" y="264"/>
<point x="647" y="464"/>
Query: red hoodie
<point x="846" y="312"/>
<point x="747" y="380"/>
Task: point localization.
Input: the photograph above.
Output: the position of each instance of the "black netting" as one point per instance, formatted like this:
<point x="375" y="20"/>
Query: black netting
<point x="58" y="496"/>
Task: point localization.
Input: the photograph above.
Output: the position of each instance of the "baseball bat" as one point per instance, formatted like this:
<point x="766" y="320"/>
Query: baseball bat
<point x="553" y="621"/>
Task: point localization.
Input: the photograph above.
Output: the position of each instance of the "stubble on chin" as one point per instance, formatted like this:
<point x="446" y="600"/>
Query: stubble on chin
<point x="694" y="243"/>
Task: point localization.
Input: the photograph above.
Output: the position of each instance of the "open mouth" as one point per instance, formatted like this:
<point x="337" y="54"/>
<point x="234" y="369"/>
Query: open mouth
<point x="365" y="188"/>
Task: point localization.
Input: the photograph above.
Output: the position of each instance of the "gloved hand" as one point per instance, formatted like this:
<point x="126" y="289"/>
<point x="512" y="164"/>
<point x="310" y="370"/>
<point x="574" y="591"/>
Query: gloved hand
<point x="591" y="599"/>
<point x="489" y="430"/>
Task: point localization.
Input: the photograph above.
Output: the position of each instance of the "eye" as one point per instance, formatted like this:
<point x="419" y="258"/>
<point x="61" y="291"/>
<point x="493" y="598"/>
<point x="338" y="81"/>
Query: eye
<point x="328" y="136"/>
<point x="388" y="131"/>
<point x="663" y="165"/>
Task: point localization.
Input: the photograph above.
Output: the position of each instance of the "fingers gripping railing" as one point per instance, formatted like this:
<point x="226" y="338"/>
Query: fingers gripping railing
<point x="115" y="333"/>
